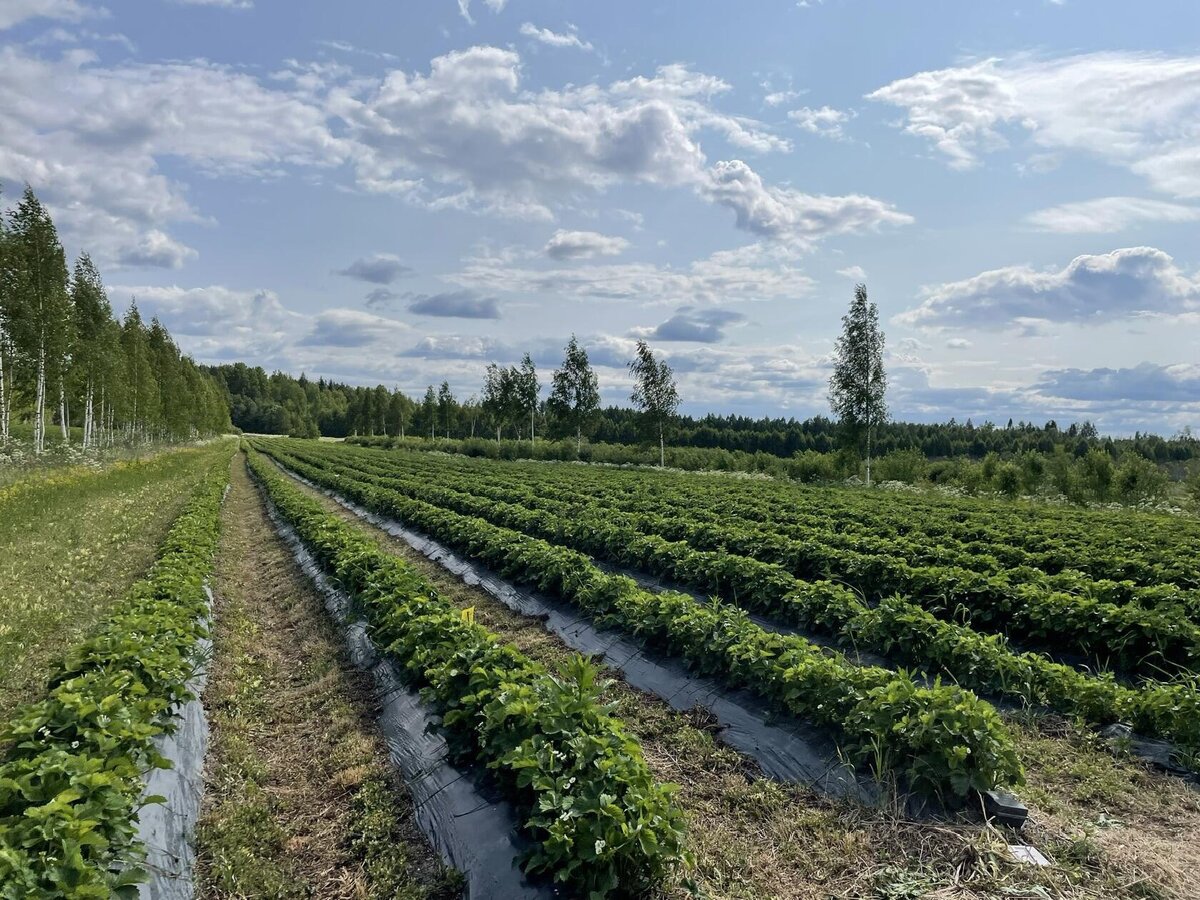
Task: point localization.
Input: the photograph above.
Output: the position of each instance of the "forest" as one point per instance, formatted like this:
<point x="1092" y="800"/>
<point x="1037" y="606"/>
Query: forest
<point x="66" y="362"/>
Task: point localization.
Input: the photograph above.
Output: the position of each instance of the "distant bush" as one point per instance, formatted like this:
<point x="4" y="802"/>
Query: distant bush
<point x="908" y="466"/>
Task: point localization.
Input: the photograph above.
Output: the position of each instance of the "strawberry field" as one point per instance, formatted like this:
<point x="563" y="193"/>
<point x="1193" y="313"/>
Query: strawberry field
<point x="945" y="654"/>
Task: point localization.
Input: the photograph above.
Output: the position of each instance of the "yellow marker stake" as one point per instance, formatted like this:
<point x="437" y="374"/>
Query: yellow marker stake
<point x="468" y="615"/>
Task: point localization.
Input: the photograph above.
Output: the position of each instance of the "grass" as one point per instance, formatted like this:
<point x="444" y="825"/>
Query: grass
<point x="301" y="801"/>
<point x="1111" y="828"/>
<point x="73" y="544"/>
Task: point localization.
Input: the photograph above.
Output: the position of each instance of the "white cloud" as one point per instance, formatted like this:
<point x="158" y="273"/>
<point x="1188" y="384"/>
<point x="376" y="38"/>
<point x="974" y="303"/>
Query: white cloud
<point x="464" y="8"/>
<point x="854" y="273"/>
<point x="1105" y="215"/>
<point x="778" y="98"/>
<point x="959" y="344"/>
<point x="1091" y="289"/>
<point x="787" y="215"/>
<point x="468" y="136"/>
<point x="155" y="249"/>
<point x="1136" y="110"/>
<point x="13" y="12"/>
<point x="89" y="139"/>
<point x="826" y="121"/>
<point x="583" y="245"/>
<point x="568" y="38"/>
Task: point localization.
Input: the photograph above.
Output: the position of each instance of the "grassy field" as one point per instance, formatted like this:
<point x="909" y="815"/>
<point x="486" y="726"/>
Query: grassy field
<point x="74" y="540"/>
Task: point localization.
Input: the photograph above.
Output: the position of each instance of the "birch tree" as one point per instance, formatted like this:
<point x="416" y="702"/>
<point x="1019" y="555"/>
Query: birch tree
<point x="92" y="360"/>
<point x="39" y="312"/>
<point x="574" y="393"/>
<point x="655" y="394"/>
<point x="859" y="383"/>
<point x="525" y="391"/>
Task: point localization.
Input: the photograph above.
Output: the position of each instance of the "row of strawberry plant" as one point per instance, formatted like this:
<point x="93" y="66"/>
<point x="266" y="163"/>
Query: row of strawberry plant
<point x="938" y="739"/>
<point x="71" y="776"/>
<point x="1150" y="549"/>
<point x="827" y="549"/>
<point x="597" y="819"/>
<point x="1133" y="638"/>
<point x="895" y="628"/>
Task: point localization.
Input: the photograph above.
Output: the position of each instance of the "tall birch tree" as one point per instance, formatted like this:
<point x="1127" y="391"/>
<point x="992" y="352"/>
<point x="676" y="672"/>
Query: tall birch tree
<point x="858" y="385"/>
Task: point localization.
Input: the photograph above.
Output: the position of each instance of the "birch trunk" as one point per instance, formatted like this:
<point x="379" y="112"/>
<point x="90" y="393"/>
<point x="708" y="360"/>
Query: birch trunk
<point x="3" y="393"/>
<point x="63" y="420"/>
<point x="39" y="415"/>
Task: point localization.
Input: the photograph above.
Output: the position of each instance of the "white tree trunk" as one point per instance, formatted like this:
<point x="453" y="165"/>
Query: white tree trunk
<point x="88" y="415"/>
<point x="531" y="435"/>
<point x="39" y="414"/>
<point x="63" y="420"/>
<point x="662" y="450"/>
<point x="578" y="441"/>
<point x="3" y="393"/>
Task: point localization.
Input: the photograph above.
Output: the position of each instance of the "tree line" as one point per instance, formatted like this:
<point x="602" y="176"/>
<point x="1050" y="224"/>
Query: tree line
<point x="514" y="403"/>
<point x="67" y="361"/>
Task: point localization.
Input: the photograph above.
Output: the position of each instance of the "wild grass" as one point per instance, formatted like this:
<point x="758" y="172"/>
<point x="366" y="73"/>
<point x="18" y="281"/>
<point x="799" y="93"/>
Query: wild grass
<point x="70" y="545"/>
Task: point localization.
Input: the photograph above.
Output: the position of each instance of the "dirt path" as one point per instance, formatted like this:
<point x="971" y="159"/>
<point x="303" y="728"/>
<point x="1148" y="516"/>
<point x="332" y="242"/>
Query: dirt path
<point x="758" y="838"/>
<point x="300" y="799"/>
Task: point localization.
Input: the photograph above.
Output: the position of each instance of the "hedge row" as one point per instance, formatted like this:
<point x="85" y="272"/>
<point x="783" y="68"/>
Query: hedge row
<point x="71" y="779"/>
<point x="598" y="821"/>
<point x="939" y="739"/>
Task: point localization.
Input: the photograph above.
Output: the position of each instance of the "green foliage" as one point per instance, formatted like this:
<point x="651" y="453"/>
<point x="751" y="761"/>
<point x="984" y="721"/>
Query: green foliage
<point x="1140" y="481"/>
<point x="908" y="466"/>
<point x="71" y="779"/>
<point x="670" y="535"/>
<point x="597" y="819"/>
<point x="718" y="640"/>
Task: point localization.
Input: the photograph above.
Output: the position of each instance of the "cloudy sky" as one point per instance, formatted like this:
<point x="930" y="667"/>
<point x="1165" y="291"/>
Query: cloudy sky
<point x="401" y="192"/>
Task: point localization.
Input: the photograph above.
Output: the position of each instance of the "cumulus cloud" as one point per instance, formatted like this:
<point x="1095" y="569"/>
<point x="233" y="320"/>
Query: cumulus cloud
<point x="462" y="304"/>
<point x="855" y="273"/>
<point x="583" y="245"/>
<point x="1105" y="215"/>
<point x="1136" y="110"/>
<point x="789" y="215"/>
<point x="382" y="268"/>
<point x="468" y="135"/>
<point x="155" y="249"/>
<point x="824" y="121"/>
<point x="13" y="12"/>
<point x="569" y="38"/>
<point x="703" y="326"/>
<point x="352" y="328"/>
<point x="1091" y="289"/>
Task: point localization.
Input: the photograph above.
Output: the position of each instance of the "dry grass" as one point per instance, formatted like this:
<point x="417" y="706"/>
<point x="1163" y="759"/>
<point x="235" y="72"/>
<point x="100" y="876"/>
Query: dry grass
<point x="300" y="798"/>
<point x="758" y="838"/>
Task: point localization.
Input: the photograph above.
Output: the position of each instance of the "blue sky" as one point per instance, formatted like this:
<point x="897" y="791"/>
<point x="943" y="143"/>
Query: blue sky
<point x="401" y="193"/>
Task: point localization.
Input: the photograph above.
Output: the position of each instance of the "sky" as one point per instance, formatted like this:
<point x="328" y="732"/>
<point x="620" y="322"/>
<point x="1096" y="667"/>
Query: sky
<point x="400" y="193"/>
